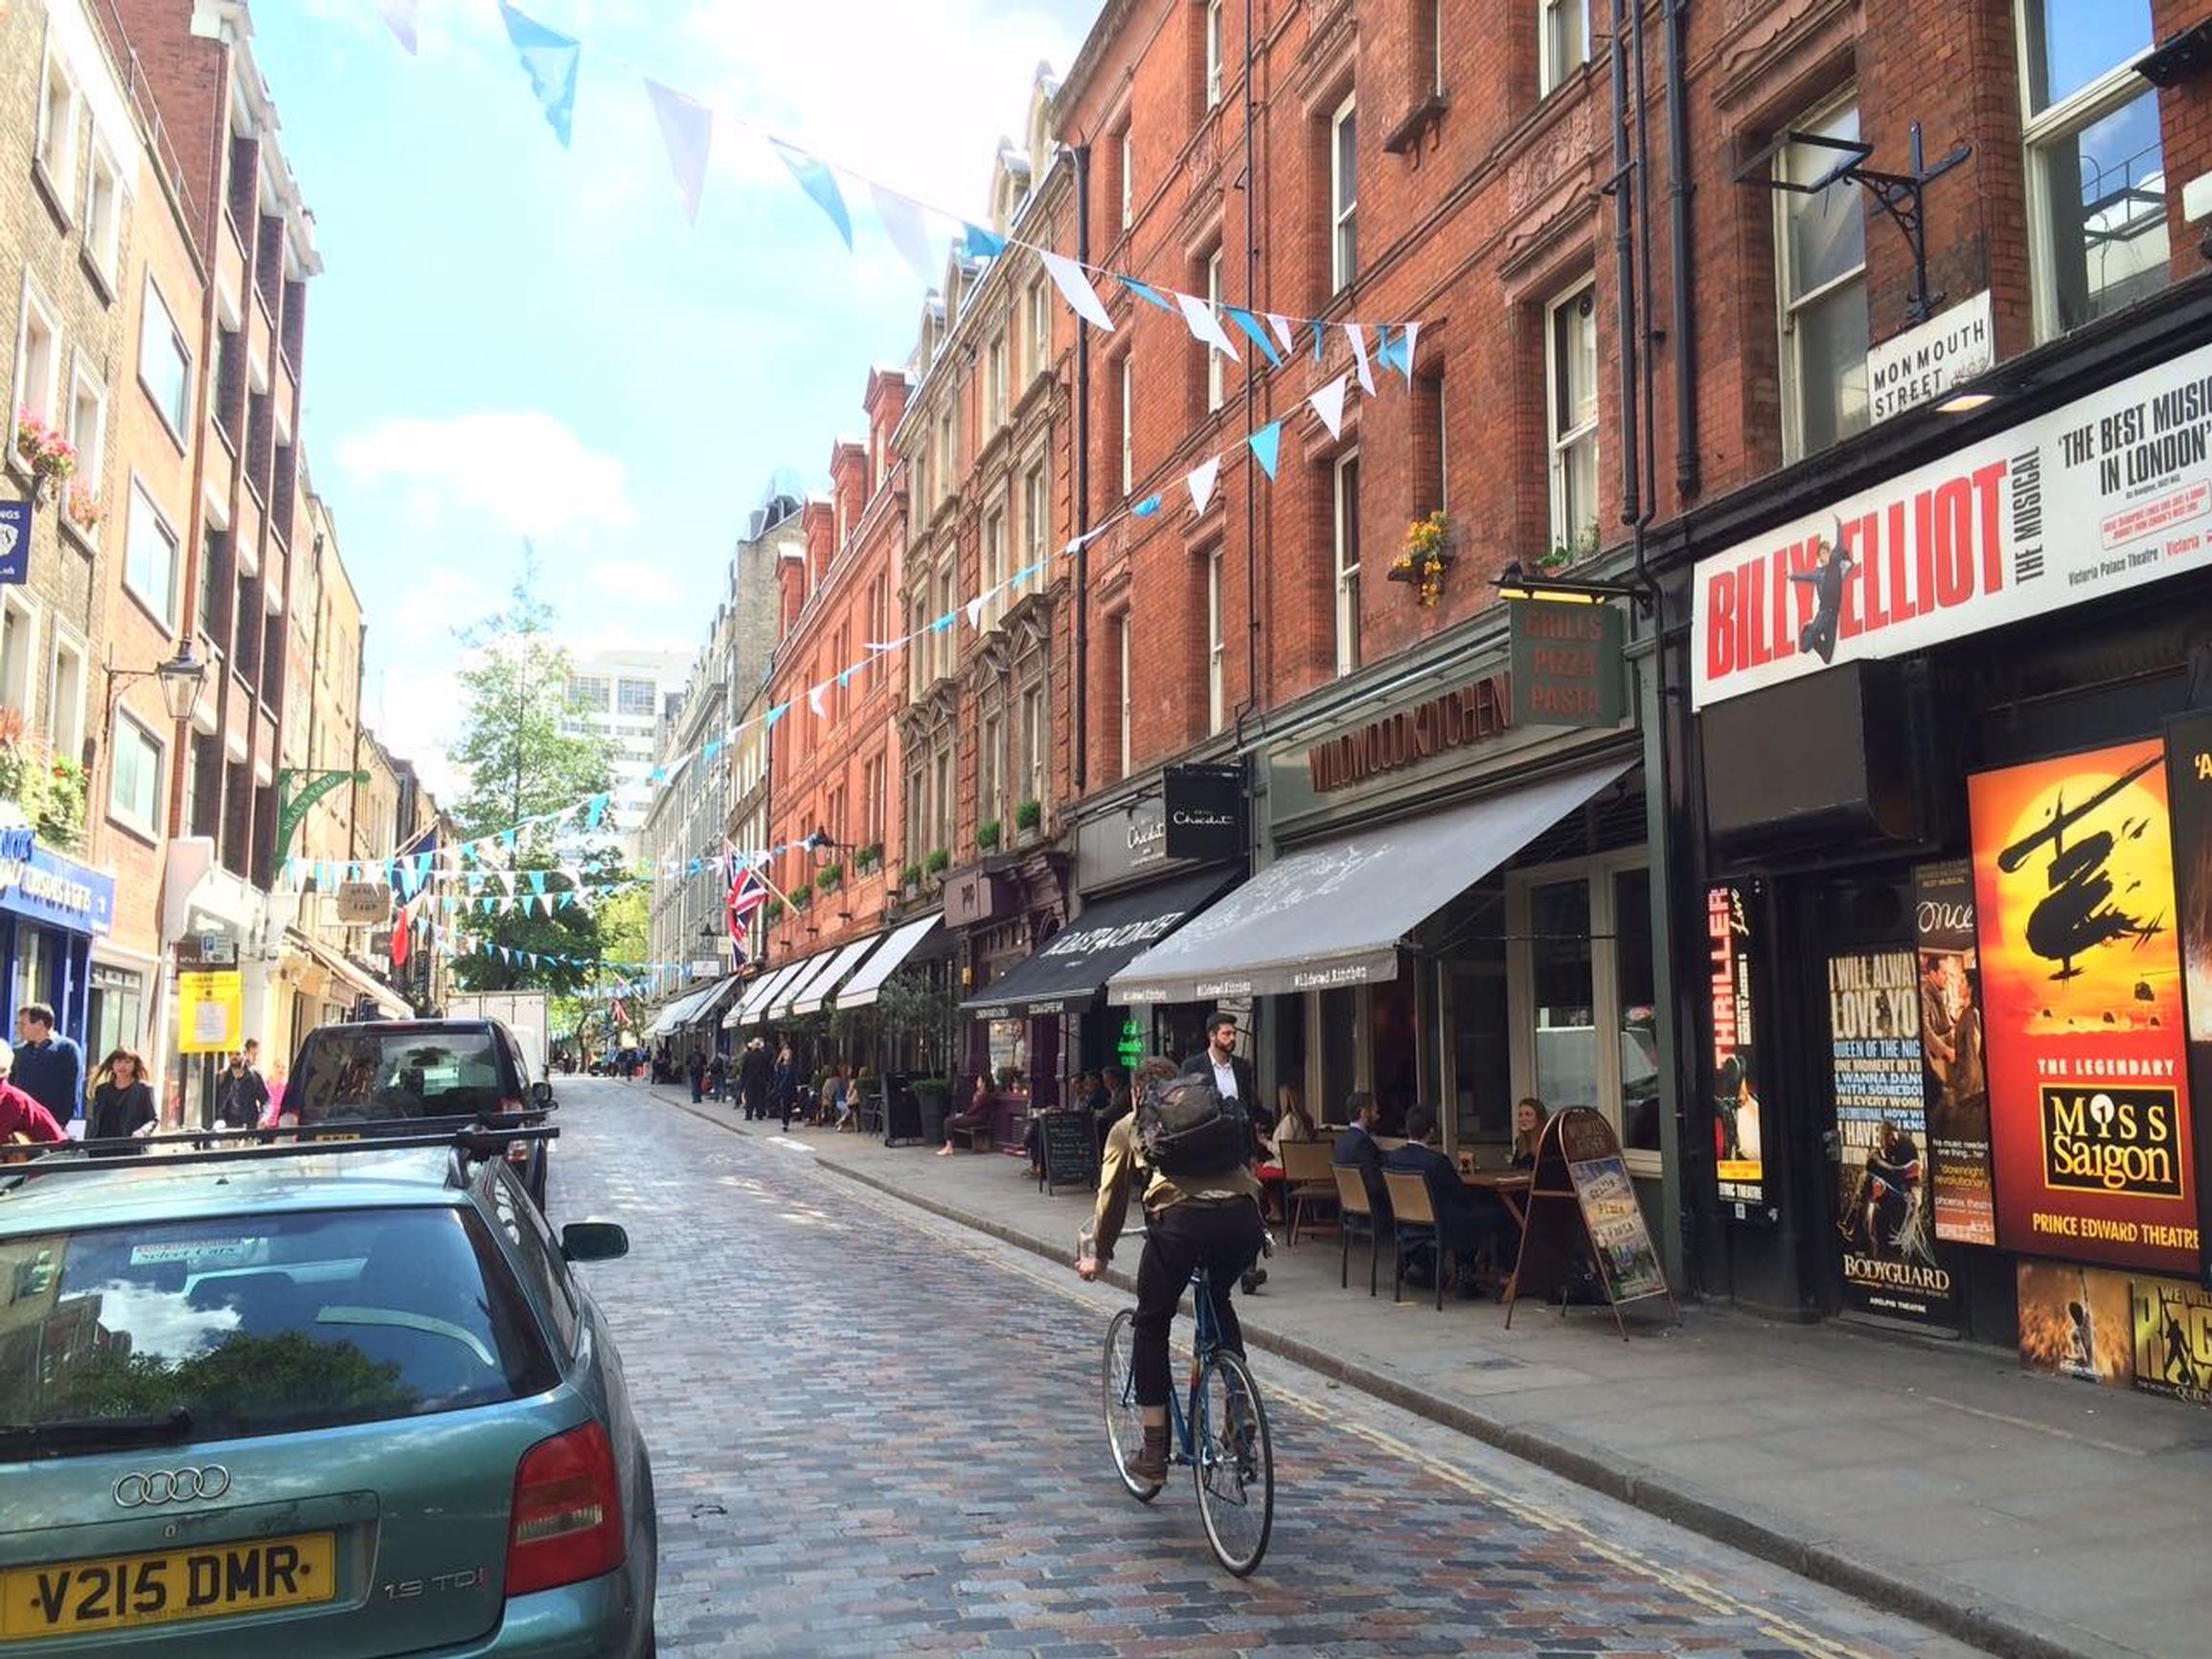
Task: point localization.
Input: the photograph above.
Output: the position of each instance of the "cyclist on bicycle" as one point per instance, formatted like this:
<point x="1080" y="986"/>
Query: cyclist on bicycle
<point x="1206" y="1211"/>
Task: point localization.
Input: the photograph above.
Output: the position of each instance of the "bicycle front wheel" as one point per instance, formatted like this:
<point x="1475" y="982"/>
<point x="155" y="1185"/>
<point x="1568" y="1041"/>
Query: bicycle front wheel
<point x="1235" y="1463"/>
<point x="1125" y="1422"/>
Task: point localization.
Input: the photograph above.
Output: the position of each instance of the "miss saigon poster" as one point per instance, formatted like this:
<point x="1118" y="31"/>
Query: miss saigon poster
<point x="2080" y="973"/>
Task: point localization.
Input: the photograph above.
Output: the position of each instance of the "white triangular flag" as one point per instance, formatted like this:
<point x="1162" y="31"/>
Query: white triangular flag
<point x="906" y="224"/>
<point x="1201" y="483"/>
<point x="1410" y="333"/>
<point x="1329" y="404"/>
<point x="814" y="700"/>
<point x="1075" y="288"/>
<point x="1205" y="326"/>
<point x="976" y="612"/>
<point x="1358" y="338"/>
<point x="1284" y="332"/>
<point x="400" y="17"/>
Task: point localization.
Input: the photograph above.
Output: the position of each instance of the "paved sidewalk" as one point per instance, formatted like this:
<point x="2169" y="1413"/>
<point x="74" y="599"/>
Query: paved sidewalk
<point x="2031" y="1515"/>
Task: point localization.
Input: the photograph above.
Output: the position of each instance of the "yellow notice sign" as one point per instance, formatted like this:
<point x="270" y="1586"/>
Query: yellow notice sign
<point x="210" y="1012"/>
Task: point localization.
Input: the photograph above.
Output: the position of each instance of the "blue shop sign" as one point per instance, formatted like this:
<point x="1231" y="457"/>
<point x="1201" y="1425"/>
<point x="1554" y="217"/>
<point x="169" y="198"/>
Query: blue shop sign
<point x="46" y="887"/>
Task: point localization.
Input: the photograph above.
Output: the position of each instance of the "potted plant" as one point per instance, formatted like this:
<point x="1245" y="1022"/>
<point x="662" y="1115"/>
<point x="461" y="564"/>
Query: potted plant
<point x="1560" y="555"/>
<point x="801" y="897"/>
<point x="869" y="857"/>
<point x="84" y="507"/>
<point x="773" y="911"/>
<point x="61" y="814"/>
<point x="22" y="780"/>
<point x="987" y="834"/>
<point x="1427" y="558"/>
<point x="938" y="862"/>
<point x="910" y="877"/>
<point x="51" y="457"/>
<point x="1029" y="816"/>
<point x="829" y="876"/>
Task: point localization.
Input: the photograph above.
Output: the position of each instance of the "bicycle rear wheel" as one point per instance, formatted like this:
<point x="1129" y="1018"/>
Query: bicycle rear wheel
<point x="1125" y="1422"/>
<point x="1235" y="1464"/>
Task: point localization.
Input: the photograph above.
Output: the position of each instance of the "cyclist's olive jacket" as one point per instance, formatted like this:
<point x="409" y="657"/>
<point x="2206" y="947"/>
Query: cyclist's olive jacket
<point x="1125" y="1168"/>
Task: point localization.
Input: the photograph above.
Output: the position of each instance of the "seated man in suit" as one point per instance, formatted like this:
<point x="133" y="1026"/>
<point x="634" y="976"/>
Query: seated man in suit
<point x="1458" y="1220"/>
<point x="1356" y="1149"/>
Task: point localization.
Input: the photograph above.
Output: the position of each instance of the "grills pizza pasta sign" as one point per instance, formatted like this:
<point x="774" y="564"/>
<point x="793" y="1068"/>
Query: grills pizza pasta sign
<point x="2104" y="494"/>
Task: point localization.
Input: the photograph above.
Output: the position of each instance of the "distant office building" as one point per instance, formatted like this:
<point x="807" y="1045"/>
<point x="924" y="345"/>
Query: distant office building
<point x="618" y="695"/>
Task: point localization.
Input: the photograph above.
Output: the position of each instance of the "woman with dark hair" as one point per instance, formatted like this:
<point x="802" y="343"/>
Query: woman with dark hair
<point x="121" y="1099"/>
<point x="982" y="1105"/>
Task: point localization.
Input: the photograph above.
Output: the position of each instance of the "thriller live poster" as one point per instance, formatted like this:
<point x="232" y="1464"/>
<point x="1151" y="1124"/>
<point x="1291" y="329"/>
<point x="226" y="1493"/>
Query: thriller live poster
<point x="1882" y="1216"/>
<point x="2082" y="974"/>
<point x="1737" y="1142"/>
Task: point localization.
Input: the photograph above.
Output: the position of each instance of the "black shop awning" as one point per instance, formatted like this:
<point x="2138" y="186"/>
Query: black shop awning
<point x="1072" y="968"/>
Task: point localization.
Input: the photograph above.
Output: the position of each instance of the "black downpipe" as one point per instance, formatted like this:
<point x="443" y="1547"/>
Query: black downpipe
<point x="1689" y="480"/>
<point x="1081" y="154"/>
<point x="1625" y="268"/>
<point x="1648" y="508"/>
<point x="1251" y="394"/>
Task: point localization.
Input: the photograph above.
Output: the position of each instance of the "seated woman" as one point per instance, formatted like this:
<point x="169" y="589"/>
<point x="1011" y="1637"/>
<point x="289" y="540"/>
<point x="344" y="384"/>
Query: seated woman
<point x="1501" y="1233"/>
<point x="1293" y="1122"/>
<point x="982" y="1108"/>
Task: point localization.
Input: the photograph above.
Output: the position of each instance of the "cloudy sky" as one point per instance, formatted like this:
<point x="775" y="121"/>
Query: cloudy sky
<point x="511" y="340"/>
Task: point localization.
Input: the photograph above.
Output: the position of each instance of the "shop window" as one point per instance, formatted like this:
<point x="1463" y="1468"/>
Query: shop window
<point x="37" y="359"/>
<point x="1637" y="994"/>
<point x="149" y="556"/>
<point x="1563" y="41"/>
<point x="1217" y="699"/>
<point x="1344" y="517"/>
<point x="1820" y="268"/>
<point x="1337" y="1019"/>
<point x="1571" y="426"/>
<point x="134" y="780"/>
<point x="1343" y="196"/>
<point x="165" y="362"/>
<point x="2096" y="164"/>
<point x="1564" y="994"/>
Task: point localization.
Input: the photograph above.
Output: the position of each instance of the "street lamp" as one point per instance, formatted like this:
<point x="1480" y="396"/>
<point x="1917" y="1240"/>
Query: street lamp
<point x="182" y="678"/>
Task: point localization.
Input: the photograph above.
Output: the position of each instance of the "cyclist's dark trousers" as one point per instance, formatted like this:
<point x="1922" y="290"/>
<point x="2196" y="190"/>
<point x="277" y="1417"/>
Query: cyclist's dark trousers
<point x="1227" y="1238"/>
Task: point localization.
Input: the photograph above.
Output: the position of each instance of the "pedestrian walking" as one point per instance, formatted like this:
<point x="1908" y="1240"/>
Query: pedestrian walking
<point x="49" y="1067"/>
<point x="718" y="1076"/>
<point x="121" y="1103"/>
<point x="241" y="1096"/>
<point x="785" y="1086"/>
<point x="695" y="1070"/>
<point x="756" y="1076"/>
<point x="23" y="1120"/>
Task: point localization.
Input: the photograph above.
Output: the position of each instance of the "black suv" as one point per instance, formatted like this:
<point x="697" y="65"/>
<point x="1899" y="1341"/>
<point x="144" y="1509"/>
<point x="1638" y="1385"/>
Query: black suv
<point x="407" y="1072"/>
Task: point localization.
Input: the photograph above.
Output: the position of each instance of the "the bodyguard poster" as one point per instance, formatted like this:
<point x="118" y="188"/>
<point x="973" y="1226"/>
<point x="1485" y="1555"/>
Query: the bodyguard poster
<point x="1885" y="1232"/>
<point x="2088" y="1096"/>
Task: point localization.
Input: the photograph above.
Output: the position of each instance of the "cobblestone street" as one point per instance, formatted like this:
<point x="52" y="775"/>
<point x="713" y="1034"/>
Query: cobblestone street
<point x="876" y="1432"/>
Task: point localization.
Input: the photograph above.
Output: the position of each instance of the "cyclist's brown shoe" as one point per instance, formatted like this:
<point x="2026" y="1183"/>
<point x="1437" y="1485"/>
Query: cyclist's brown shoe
<point x="1150" y="1463"/>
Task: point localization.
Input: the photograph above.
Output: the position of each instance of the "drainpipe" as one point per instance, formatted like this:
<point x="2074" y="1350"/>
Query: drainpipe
<point x="1688" y="472"/>
<point x="1081" y="154"/>
<point x="1625" y="269"/>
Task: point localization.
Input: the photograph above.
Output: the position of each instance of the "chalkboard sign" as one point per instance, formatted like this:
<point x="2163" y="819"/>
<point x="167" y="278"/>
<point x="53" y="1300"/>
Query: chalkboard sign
<point x="1582" y="1207"/>
<point x="1070" y="1150"/>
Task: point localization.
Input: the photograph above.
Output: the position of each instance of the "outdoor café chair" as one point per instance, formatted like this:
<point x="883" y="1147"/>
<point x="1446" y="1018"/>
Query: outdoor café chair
<point x="1306" y="1181"/>
<point x="1353" y="1210"/>
<point x="1415" y="1218"/>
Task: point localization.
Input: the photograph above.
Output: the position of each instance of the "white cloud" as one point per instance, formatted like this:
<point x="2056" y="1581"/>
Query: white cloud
<point x="523" y="468"/>
<point x="631" y="581"/>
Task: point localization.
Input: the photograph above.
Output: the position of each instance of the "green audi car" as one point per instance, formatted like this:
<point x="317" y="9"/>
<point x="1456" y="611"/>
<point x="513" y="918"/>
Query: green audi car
<point x="331" y="1400"/>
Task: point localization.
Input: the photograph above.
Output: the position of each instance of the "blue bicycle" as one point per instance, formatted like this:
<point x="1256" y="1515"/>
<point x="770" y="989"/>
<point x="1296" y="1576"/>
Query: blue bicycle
<point x="1221" y="1432"/>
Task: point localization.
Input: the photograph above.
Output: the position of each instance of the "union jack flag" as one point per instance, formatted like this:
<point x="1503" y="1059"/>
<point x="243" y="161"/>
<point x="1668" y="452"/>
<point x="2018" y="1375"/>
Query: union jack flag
<point x="747" y="893"/>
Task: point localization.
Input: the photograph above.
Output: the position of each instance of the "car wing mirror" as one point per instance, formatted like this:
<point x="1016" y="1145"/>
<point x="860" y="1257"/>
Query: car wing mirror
<point x="593" y="1241"/>
<point x="541" y="1094"/>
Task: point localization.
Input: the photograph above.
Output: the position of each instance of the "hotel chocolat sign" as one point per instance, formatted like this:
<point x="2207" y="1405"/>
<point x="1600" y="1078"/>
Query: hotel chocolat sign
<point x="1205" y="811"/>
<point x="1566" y="662"/>
<point x="2101" y="495"/>
<point x="1473" y="713"/>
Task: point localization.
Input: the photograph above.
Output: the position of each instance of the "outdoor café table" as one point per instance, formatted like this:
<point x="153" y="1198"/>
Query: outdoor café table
<point x="1510" y="1185"/>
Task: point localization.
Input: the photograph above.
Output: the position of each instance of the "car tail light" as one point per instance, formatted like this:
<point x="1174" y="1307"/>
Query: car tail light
<point x="567" y="1515"/>
<point x="517" y="1152"/>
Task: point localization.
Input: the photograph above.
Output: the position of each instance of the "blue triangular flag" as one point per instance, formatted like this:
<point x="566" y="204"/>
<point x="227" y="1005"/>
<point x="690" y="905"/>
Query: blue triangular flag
<point x="1146" y="508"/>
<point x="594" y="810"/>
<point x="508" y="838"/>
<point x="550" y="59"/>
<point x="1266" y="444"/>
<point x="1250" y="325"/>
<point x="1144" y="291"/>
<point x="537" y="881"/>
<point x="817" y="180"/>
<point x="983" y="244"/>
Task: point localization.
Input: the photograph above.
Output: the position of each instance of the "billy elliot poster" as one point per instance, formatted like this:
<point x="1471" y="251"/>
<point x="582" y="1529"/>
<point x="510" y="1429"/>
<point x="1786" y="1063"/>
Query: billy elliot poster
<point x="1954" y="1048"/>
<point x="2087" y="1095"/>
<point x="1883" y="1219"/>
<point x="1738" y="1145"/>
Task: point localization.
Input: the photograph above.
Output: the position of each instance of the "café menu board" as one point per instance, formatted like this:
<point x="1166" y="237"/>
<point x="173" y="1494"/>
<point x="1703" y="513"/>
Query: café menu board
<point x="1884" y="1233"/>
<point x="1953" y="1059"/>
<point x="1736" y="1130"/>
<point x="2189" y="793"/>
<point x="2081" y="979"/>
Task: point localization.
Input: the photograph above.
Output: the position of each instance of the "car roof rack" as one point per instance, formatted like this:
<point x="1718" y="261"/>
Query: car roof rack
<point x="467" y="1137"/>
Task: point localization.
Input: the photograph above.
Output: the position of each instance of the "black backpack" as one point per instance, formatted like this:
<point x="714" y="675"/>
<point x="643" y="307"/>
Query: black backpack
<point x="1187" y="1130"/>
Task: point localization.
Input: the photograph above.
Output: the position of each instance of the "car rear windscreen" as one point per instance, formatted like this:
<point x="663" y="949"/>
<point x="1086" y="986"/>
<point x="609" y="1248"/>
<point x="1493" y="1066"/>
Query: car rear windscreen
<point x="374" y="1074"/>
<point x="264" y="1324"/>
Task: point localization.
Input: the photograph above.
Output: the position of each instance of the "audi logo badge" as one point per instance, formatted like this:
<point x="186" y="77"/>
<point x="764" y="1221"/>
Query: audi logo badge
<point x="172" y="1485"/>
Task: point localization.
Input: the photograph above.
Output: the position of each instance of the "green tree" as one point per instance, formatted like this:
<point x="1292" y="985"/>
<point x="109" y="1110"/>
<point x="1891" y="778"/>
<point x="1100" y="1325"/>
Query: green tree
<point x="521" y="764"/>
<point x="623" y="933"/>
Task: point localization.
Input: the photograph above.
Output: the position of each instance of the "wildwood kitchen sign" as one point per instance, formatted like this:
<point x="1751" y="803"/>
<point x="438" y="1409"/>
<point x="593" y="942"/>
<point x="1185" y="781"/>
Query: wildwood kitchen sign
<point x="1473" y="713"/>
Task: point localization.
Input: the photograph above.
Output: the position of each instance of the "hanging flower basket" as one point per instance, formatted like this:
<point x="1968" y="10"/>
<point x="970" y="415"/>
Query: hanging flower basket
<point x="84" y="507"/>
<point x="51" y="457"/>
<point x="1426" y="559"/>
